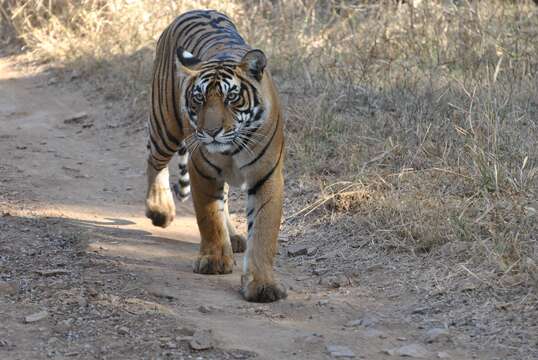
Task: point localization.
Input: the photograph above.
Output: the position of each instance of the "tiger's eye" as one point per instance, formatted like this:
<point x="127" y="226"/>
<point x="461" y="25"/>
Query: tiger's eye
<point x="232" y="97"/>
<point x="198" y="98"/>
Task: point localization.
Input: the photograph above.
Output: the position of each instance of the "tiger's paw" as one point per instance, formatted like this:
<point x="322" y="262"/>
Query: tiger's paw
<point x="213" y="264"/>
<point x="263" y="292"/>
<point x="160" y="208"/>
<point x="160" y="218"/>
<point x="239" y="244"/>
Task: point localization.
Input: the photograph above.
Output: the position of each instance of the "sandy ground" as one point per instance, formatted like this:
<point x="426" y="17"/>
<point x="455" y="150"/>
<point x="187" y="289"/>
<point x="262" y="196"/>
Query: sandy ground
<point x="74" y="243"/>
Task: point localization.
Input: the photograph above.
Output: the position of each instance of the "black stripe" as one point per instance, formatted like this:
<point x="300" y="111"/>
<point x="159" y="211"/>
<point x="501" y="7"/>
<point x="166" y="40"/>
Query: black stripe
<point x="258" y="116"/>
<point x="225" y="38"/>
<point x="212" y="62"/>
<point x="183" y="170"/>
<point x="161" y="93"/>
<point x="251" y="221"/>
<point x="154" y="135"/>
<point x="192" y="37"/>
<point x="215" y="22"/>
<point x="216" y="38"/>
<point x="207" y="177"/>
<point x="153" y="166"/>
<point x="182" y="150"/>
<point x="184" y="20"/>
<point x="184" y="183"/>
<point x="154" y="123"/>
<point x="188" y="100"/>
<point x="214" y="197"/>
<point x="261" y="207"/>
<point x="155" y="118"/>
<point x="256" y="187"/>
<point x="181" y="20"/>
<point x="158" y="164"/>
<point x="159" y="150"/>
<point x="189" y="16"/>
<point x="201" y="13"/>
<point x="167" y="82"/>
<point x="216" y="168"/>
<point x="185" y="31"/>
<point x="255" y="97"/>
<point x="226" y="74"/>
<point x="203" y="39"/>
<point x="265" y="147"/>
<point x="225" y="42"/>
<point x="166" y="161"/>
<point x="174" y="104"/>
<point x="207" y="75"/>
<point x="178" y="193"/>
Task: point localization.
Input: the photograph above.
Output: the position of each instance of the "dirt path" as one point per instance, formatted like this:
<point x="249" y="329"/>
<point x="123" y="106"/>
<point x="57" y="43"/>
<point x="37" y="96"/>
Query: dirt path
<point x="127" y="289"/>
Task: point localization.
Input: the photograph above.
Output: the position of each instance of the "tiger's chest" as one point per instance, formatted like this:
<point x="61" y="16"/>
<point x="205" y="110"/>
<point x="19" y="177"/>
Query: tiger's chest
<point x="232" y="174"/>
<point x="223" y="168"/>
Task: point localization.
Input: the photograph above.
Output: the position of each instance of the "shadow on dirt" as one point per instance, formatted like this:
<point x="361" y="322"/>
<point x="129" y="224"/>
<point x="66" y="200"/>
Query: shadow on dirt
<point x="105" y="238"/>
<point x="97" y="303"/>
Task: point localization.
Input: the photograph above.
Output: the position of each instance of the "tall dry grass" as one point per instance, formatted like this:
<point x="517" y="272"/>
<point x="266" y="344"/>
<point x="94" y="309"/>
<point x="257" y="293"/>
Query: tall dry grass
<point x="428" y="108"/>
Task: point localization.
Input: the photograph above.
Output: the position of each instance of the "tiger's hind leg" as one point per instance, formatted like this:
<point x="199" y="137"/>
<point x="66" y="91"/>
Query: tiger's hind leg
<point x="182" y="189"/>
<point x="216" y="255"/>
<point x="239" y="243"/>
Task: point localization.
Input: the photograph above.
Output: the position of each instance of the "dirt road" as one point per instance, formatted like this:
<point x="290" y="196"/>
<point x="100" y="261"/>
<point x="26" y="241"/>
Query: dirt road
<point x="74" y="243"/>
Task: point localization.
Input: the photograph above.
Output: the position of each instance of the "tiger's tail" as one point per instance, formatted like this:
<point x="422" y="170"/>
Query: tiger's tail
<point x="182" y="188"/>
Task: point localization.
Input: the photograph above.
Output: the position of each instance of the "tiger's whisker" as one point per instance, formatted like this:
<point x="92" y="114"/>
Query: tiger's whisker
<point x="250" y="133"/>
<point x="245" y="146"/>
<point x="254" y="136"/>
<point x="250" y="140"/>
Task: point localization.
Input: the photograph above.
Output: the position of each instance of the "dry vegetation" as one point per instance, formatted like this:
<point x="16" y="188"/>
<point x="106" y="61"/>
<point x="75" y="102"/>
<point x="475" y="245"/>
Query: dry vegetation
<point x="417" y="124"/>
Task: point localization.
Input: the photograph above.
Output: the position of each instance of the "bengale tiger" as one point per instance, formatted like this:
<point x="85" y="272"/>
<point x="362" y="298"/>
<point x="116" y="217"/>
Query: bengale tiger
<point x="213" y="101"/>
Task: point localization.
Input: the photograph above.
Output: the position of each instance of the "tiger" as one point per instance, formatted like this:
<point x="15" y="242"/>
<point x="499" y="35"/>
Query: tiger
<point x="214" y="103"/>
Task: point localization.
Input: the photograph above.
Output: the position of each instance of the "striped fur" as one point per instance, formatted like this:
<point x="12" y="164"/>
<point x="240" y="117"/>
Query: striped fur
<point x="183" y="187"/>
<point x="213" y="102"/>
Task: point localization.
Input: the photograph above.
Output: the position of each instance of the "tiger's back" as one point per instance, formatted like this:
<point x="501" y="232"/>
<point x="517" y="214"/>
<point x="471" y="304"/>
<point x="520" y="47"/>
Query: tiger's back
<point x="207" y="35"/>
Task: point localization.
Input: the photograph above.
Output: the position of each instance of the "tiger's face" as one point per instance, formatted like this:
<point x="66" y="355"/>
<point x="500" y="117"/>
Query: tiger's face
<point x="223" y="101"/>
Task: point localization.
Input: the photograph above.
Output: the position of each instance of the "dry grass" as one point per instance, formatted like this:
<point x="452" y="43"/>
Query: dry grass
<point x="429" y="111"/>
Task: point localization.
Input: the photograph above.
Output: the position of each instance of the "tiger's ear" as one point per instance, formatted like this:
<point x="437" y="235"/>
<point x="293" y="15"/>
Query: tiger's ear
<point x="186" y="62"/>
<point x="253" y="63"/>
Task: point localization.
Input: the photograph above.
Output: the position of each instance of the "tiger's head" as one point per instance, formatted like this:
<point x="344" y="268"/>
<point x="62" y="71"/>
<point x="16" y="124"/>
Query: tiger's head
<point x="223" y="101"/>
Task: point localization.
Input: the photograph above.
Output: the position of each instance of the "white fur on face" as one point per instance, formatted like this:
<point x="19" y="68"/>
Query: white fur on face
<point x="217" y="148"/>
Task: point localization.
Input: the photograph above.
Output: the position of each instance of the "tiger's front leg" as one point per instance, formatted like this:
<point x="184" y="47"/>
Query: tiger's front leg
<point x="160" y="207"/>
<point x="264" y="212"/>
<point x="216" y="255"/>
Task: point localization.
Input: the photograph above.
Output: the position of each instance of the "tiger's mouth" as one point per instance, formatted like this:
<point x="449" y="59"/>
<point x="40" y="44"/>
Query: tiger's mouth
<point x="218" y="147"/>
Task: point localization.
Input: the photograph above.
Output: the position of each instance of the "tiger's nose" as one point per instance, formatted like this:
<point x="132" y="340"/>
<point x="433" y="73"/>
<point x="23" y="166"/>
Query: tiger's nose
<point x="213" y="132"/>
